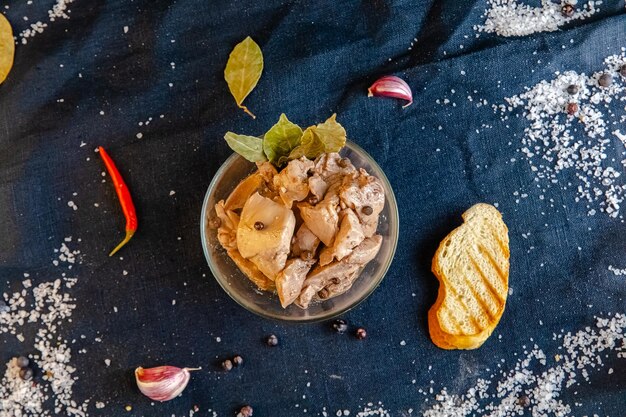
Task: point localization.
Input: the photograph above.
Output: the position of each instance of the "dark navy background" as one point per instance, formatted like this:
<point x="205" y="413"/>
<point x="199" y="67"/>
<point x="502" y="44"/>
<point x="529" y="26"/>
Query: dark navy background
<point x="319" y="59"/>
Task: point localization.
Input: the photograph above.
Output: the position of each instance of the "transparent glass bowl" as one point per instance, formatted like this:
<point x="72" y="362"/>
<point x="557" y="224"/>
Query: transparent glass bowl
<point x="267" y="304"/>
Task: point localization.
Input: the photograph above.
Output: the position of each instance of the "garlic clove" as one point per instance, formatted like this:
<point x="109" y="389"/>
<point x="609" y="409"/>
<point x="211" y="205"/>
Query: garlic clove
<point x="162" y="383"/>
<point x="391" y="86"/>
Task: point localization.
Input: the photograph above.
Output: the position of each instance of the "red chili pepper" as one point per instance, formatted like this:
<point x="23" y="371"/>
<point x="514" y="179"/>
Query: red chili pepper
<point x="123" y="194"/>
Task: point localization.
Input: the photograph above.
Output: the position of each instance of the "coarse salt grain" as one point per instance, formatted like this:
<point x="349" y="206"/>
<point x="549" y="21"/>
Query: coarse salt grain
<point x="59" y="10"/>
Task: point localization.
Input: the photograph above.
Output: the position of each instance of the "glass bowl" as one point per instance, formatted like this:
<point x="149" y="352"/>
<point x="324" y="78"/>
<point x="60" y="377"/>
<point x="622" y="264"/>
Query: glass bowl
<point x="267" y="304"/>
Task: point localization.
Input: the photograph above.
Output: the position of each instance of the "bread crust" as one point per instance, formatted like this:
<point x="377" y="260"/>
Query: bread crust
<point x="436" y="315"/>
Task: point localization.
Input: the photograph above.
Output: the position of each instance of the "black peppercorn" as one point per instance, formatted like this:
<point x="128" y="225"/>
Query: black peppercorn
<point x="523" y="400"/>
<point x="246" y="411"/>
<point x="605" y="80"/>
<point x="572" y="89"/>
<point x="343" y="162"/>
<point x="567" y="10"/>
<point x="313" y="200"/>
<point x="572" y="108"/>
<point x="323" y="294"/>
<point x="22" y="361"/>
<point x="367" y="210"/>
<point x="340" y="326"/>
<point x="237" y="360"/>
<point x="306" y="255"/>
<point x="622" y="70"/>
<point x="227" y="365"/>
<point x="26" y="374"/>
<point x="361" y="333"/>
<point x="272" y="340"/>
<point x="259" y="225"/>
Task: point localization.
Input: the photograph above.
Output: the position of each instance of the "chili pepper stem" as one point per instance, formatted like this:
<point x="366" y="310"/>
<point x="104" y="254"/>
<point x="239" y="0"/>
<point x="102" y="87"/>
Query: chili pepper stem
<point x="129" y="234"/>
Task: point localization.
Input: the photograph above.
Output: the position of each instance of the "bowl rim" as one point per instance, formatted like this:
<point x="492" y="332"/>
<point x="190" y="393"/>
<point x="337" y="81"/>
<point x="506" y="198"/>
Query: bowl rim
<point x="260" y="312"/>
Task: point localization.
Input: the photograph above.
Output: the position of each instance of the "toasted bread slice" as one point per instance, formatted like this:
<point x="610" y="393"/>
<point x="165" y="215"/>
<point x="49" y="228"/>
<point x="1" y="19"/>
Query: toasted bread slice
<point x="472" y="266"/>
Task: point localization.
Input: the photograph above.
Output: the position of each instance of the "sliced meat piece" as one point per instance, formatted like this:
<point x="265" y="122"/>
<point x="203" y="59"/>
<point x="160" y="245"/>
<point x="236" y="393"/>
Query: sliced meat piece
<point x="267" y="171"/>
<point x="365" y="195"/>
<point x="366" y="251"/>
<point x="329" y="165"/>
<point x="317" y="186"/>
<point x="292" y="181"/>
<point x="243" y="191"/>
<point x="349" y="236"/>
<point x="289" y="281"/>
<point x="320" y="277"/>
<point x="251" y="271"/>
<point x="323" y="218"/>
<point x="227" y="232"/>
<point x="264" y="234"/>
<point x="304" y="240"/>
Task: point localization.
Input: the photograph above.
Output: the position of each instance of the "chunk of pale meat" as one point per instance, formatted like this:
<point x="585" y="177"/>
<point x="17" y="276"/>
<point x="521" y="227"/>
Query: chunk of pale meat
<point x="349" y="236"/>
<point x="322" y="219"/>
<point x="331" y="165"/>
<point x="361" y="192"/>
<point x="267" y="244"/>
<point x="289" y="281"/>
<point x="292" y="181"/>
<point x="243" y="191"/>
<point x="304" y="240"/>
<point x="317" y="186"/>
<point x="251" y="271"/>
<point x="336" y="278"/>
<point x="229" y="221"/>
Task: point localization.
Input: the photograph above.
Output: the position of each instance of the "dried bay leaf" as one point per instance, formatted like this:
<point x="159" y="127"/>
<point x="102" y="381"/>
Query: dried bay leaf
<point x="281" y="139"/>
<point x="7" y="48"/>
<point x="250" y="147"/>
<point x="243" y="70"/>
<point x="332" y="134"/>
<point x="311" y="145"/>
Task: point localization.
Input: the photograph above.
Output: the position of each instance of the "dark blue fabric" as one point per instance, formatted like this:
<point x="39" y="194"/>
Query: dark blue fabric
<point x="319" y="59"/>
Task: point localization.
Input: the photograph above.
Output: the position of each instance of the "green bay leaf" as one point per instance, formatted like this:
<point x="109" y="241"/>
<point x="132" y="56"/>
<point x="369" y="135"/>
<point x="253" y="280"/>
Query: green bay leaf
<point x="311" y="146"/>
<point x="332" y="134"/>
<point x="243" y="70"/>
<point x="281" y="139"/>
<point x="250" y="147"/>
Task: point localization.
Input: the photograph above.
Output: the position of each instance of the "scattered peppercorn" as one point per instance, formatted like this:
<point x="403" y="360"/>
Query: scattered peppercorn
<point x="227" y="365"/>
<point x="259" y="226"/>
<point x="572" y="89"/>
<point x="523" y="400"/>
<point x="22" y="361"/>
<point x="343" y="162"/>
<point x="246" y="411"/>
<point x="340" y="326"/>
<point x="272" y="340"/>
<point x="323" y="294"/>
<point x="367" y="210"/>
<point x="361" y="333"/>
<point x="26" y="374"/>
<point x="572" y="108"/>
<point x="313" y="200"/>
<point x="237" y="360"/>
<point x="605" y="80"/>
<point x="622" y="70"/>
<point x="215" y="223"/>
<point x="567" y="10"/>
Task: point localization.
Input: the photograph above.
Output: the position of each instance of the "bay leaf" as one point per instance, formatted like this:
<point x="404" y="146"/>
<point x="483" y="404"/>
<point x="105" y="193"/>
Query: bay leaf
<point x="281" y="139"/>
<point x="7" y="48"/>
<point x="250" y="147"/>
<point x="332" y="134"/>
<point x="311" y="145"/>
<point x="243" y="70"/>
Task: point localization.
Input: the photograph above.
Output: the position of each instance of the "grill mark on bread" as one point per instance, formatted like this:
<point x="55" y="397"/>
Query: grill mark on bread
<point x="472" y="319"/>
<point x="494" y="293"/>
<point x="479" y="299"/>
<point x="494" y="264"/>
<point x="494" y="234"/>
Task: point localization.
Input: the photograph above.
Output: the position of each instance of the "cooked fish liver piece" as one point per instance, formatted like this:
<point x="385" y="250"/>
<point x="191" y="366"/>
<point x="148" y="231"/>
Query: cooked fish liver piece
<point x="264" y="234"/>
<point x="292" y="182"/>
<point x="323" y="218"/>
<point x="305" y="240"/>
<point x="331" y="165"/>
<point x="337" y="277"/>
<point x="363" y="191"/>
<point x="227" y="232"/>
<point x="289" y="281"/>
<point x="317" y="186"/>
<point x="349" y="236"/>
<point x="251" y="271"/>
<point x="243" y="191"/>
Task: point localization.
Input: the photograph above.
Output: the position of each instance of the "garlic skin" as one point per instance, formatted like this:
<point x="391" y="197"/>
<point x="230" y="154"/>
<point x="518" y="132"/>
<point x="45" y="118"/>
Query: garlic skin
<point x="163" y="382"/>
<point x="391" y="86"/>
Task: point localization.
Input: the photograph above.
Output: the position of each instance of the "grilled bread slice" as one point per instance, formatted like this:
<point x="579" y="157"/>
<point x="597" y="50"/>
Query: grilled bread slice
<point x="472" y="266"/>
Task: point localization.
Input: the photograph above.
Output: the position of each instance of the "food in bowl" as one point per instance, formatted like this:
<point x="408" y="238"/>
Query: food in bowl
<point x="305" y="231"/>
